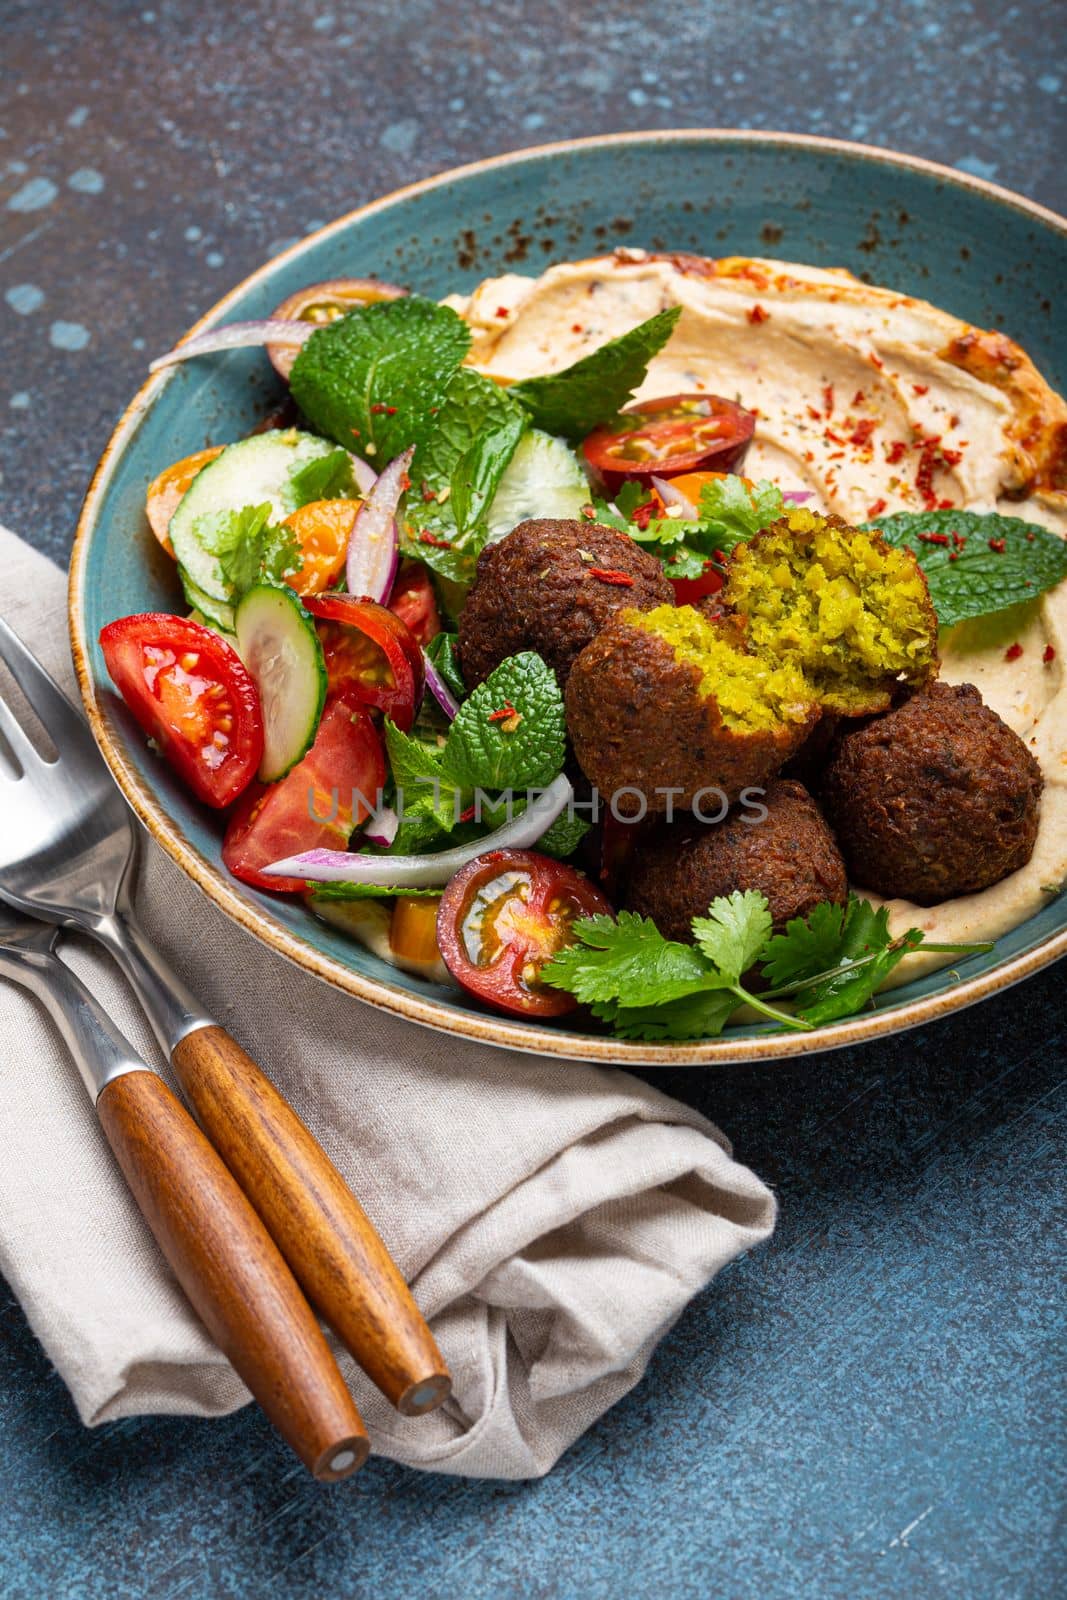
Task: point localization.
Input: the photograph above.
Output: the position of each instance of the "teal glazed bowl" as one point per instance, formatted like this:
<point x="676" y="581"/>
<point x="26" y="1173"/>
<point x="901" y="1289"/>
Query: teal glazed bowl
<point x="979" y="252"/>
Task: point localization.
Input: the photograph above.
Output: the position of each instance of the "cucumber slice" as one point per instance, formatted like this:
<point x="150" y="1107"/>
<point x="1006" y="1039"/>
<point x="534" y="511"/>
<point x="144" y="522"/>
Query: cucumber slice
<point x="542" y="479"/>
<point x="277" y="642"/>
<point x="216" y="613"/>
<point x="249" y="473"/>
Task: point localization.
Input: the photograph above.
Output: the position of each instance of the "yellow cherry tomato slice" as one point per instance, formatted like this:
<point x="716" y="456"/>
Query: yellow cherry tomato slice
<point x="164" y="492"/>
<point x="322" y="528"/>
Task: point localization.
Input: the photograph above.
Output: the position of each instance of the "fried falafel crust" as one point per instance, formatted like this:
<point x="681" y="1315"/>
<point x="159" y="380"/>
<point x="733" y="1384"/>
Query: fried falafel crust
<point x="789" y="855"/>
<point x="536" y="590"/>
<point x="638" y="721"/>
<point x="937" y="798"/>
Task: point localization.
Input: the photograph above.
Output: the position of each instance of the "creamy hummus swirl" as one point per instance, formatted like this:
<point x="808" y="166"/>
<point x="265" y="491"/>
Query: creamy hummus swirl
<point x="874" y="402"/>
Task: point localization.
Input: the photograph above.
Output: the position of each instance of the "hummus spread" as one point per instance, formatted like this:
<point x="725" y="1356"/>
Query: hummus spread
<point x="874" y="402"/>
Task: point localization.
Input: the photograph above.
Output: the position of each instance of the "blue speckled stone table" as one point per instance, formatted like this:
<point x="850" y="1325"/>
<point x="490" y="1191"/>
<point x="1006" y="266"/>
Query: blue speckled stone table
<point x="872" y="1405"/>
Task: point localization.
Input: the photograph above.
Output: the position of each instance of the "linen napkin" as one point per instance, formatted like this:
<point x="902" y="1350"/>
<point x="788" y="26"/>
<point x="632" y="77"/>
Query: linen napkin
<point x="552" y="1218"/>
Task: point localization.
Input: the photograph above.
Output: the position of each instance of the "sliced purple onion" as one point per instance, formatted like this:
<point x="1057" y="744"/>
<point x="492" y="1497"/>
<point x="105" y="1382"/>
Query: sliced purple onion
<point x="382" y="827"/>
<point x="363" y="473"/>
<point x="439" y="688"/>
<point x="673" y="497"/>
<point x="427" y="871"/>
<point x="236" y="336"/>
<point x="796" y="497"/>
<point x="374" y="543"/>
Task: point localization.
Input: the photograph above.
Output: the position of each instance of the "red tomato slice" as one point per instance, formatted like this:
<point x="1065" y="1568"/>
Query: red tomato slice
<point x="370" y="655"/>
<point x="502" y="917"/>
<point x="315" y="806"/>
<point x="687" y="591"/>
<point x="414" y="601"/>
<point x="671" y="435"/>
<point x="192" y="694"/>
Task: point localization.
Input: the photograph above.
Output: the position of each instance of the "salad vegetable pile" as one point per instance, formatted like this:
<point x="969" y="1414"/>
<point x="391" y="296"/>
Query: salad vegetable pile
<point x="313" y="688"/>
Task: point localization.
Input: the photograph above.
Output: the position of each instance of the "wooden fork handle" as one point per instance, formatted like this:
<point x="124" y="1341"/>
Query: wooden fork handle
<point x="313" y="1217"/>
<point x="232" y="1273"/>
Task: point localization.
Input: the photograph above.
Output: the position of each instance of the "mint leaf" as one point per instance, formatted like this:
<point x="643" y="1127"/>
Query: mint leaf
<point x="573" y="402"/>
<point x="967" y="572"/>
<point x="425" y="791"/>
<point x="473" y="406"/>
<point x="374" y="379"/>
<point x="734" y="932"/>
<point x="442" y="653"/>
<point x="247" y="548"/>
<point x="366" y="891"/>
<point x="323" y="478"/>
<point x="626" y="959"/>
<point x="564" y="836"/>
<point x="478" y="472"/>
<point x="510" y="733"/>
<point x="731" y="513"/>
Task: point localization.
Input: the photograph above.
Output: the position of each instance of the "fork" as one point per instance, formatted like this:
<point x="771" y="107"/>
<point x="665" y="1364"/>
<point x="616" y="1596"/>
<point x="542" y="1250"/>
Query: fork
<point x="69" y="854"/>
<point x="219" y="1250"/>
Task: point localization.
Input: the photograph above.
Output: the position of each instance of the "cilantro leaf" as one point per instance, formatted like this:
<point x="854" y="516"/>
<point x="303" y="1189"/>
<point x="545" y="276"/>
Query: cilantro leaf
<point x="696" y="1016"/>
<point x="323" y="478"/>
<point x="442" y="653"/>
<point x="524" y="747"/>
<point x="247" y="548"/>
<point x="731" y="513"/>
<point x="374" y="379"/>
<point x="734" y="932"/>
<point x="573" y="402"/>
<point x="807" y="947"/>
<point x="626" y="958"/>
<point x="986" y="562"/>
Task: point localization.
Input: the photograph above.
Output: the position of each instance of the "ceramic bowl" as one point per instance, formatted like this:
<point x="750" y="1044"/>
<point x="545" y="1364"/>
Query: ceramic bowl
<point x="975" y="250"/>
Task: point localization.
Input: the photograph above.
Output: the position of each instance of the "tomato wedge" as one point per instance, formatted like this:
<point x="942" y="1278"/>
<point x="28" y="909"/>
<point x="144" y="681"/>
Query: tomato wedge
<point x="502" y="917"/>
<point x="371" y="655"/>
<point x="315" y="806"/>
<point x="321" y="529"/>
<point x="671" y="435"/>
<point x="192" y="694"/>
<point x="414" y="601"/>
<point x="164" y="492"/>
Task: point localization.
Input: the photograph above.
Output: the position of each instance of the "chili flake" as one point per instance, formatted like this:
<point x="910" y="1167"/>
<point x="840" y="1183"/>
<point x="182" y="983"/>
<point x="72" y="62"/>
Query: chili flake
<point x="933" y="538"/>
<point x="757" y="314"/>
<point x="959" y="539"/>
<point x="610" y="575"/>
<point x="427" y="493"/>
<point x="507" y="716"/>
<point x="576" y="327"/>
<point x="816" y="416"/>
<point x="468" y="815"/>
<point x="998" y="545"/>
<point x="379" y="409"/>
<point x="426" y="537"/>
<point x="828" y="399"/>
<point x="1030" y="537"/>
<point x="1050" y="655"/>
<point x="876" y="508"/>
<point x="588" y="512"/>
<point x="954" y="555"/>
<point x="895" y="452"/>
<point x="1013" y="652"/>
<point x="859" y="398"/>
<point x="643" y="514"/>
<point x="502" y="311"/>
<point x="861" y="434"/>
<point x="921" y="388"/>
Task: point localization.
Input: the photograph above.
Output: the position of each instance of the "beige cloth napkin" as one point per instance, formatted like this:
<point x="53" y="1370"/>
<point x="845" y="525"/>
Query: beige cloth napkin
<point x="553" y="1218"/>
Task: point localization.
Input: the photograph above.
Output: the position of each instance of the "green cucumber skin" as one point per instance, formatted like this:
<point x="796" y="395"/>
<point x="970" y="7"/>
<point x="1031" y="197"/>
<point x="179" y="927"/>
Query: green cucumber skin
<point x="247" y="473"/>
<point x="282" y="750"/>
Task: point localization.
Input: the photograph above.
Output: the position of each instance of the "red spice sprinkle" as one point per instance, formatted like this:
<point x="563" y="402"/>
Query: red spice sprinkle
<point x="859" y="398"/>
<point x="875" y="362"/>
<point x="959" y="539"/>
<point x="405" y="483"/>
<point x="921" y="388"/>
<point x="834" y="438"/>
<point x="1050" y="655"/>
<point x="576" y="327"/>
<point x="875" y="509"/>
<point x="951" y="458"/>
<point x="817" y="415"/>
<point x="861" y="434"/>
<point x="427" y="493"/>
<point x="378" y="409"/>
<point x="468" y="815"/>
<point x="502" y="311"/>
<point x="946" y="505"/>
<point x="998" y="545"/>
<point x="895" y="452"/>
<point x="954" y="420"/>
<point x="1030" y="537"/>
<point x="588" y="512"/>
<point x="757" y="314"/>
<point x="933" y="538"/>
<point x="506" y="713"/>
<point x="954" y="555"/>
<point x="836" y="455"/>
<point x="643" y="514"/>
<point x="426" y="537"/>
<point x="828" y="399"/>
<point x="1013" y="652"/>
<point x="610" y="575"/>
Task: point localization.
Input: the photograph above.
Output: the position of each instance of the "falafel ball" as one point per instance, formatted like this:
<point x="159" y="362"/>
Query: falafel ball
<point x="935" y="799"/>
<point x="664" y="705"/>
<point x="789" y="855"/>
<point x="538" y="589"/>
<point x="851" y="611"/>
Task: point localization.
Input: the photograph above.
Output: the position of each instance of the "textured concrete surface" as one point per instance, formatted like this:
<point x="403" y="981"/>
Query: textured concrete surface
<point x="873" y="1405"/>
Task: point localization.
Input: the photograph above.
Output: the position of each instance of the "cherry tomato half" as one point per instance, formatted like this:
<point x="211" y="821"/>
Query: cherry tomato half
<point x="315" y="806"/>
<point x="164" y="492"/>
<point x="671" y="435"/>
<point x="502" y="917"/>
<point x="192" y="694"/>
<point x="321" y="529"/>
<point x="370" y="655"/>
<point x="325" y="302"/>
<point x="414" y="601"/>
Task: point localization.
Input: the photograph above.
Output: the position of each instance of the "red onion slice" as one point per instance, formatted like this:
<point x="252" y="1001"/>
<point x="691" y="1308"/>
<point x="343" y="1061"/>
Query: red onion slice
<point x="236" y="336"/>
<point x="374" y="543"/>
<point x="673" y="497"/>
<point x="796" y="497"/>
<point x="381" y="828"/>
<point x="439" y="688"/>
<point x="427" y="871"/>
<point x="363" y="473"/>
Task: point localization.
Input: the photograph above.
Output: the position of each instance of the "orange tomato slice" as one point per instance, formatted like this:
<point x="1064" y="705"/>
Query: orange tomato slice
<point x="413" y="930"/>
<point x="322" y="528"/>
<point x="164" y="492"/>
<point x="690" y="484"/>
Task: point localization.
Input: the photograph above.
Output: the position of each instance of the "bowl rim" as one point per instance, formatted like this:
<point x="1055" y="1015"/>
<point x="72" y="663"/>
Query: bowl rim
<point x="477" y="1026"/>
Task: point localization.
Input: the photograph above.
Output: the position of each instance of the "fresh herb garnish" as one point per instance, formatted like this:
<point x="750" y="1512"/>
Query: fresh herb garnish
<point x="374" y="380"/>
<point x="730" y="513"/>
<point x="581" y="397"/>
<point x="510" y="733"/>
<point x="977" y="562"/>
<point x="326" y="477"/>
<point x="368" y="891"/>
<point x="249" y="550"/>
<point x="442" y="653"/>
<point x="648" y="987"/>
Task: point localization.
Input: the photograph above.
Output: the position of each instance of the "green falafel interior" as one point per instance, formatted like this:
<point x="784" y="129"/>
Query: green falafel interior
<point x="846" y="609"/>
